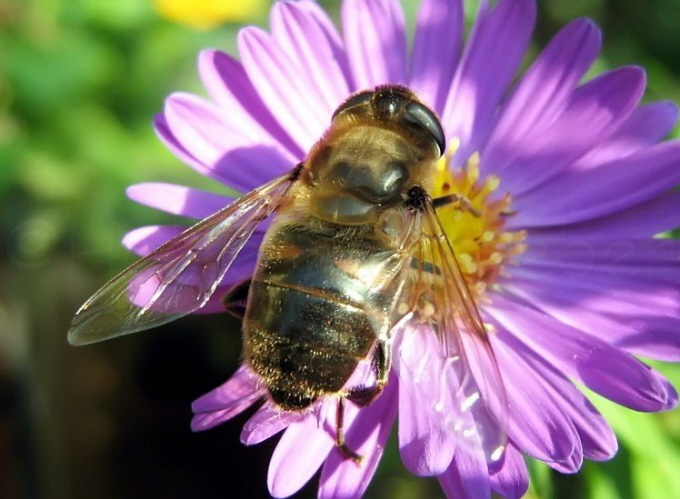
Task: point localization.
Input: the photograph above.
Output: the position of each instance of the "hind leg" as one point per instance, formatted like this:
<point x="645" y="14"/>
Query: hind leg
<point x="380" y="363"/>
<point x="363" y="396"/>
<point x="236" y="299"/>
<point x="340" y="433"/>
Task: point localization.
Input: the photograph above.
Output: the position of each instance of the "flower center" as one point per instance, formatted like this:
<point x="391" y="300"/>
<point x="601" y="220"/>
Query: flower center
<point x="475" y="231"/>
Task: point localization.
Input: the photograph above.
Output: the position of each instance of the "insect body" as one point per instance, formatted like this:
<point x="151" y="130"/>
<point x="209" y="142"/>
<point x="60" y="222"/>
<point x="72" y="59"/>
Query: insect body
<point x="333" y="260"/>
<point x="307" y="324"/>
<point x="355" y="247"/>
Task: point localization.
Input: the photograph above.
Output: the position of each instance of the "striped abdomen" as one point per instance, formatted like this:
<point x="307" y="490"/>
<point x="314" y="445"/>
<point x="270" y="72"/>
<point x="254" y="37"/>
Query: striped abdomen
<point x="306" y="326"/>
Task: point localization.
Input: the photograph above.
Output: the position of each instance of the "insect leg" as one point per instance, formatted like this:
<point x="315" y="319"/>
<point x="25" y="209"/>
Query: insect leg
<point x="464" y="202"/>
<point x="235" y="300"/>
<point x="340" y="433"/>
<point x="381" y="363"/>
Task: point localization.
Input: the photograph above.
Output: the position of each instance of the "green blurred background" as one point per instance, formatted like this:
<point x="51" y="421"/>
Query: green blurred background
<point x="80" y="81"/>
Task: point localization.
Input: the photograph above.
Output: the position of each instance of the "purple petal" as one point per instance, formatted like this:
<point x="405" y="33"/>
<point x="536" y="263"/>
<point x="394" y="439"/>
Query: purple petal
<point x="489" y="62"/>
<point x="230" y="88"/>
<point x="144" y="240"/>
<point x="298" y="455"/>
<point x="477" y="374"/>
<point x="275" y="76"/>
<point x="342" y="477"/>
<point x="202" y="127"/>
<point x="543" y="92"/>
<point x="594" y="112"/>
<point x="267" y="422"/>
<point x="641" y="221"/>
<point x="657" y="339"/>
<point x="653" y="259"/>
<point x="587" y="359"/>
<point x="467" y="477"/>
<point x="243" y="383"/>
<point x="512" y="479"/>
<point x="315" y="12"/>
<point x="537" y="423"/>
<point x="426" y="443"/>
<point x="177" y="199"/>
<point x="640" y="316"/>
<point x="669" y="389"/>
<point x="226" y="401"/>
<point x="439" y="30"/>
<point x="646" y="126"/>
<point x="208" y="420"/>
<point x="309" y="38"/>
<point x="570" y="465"/>
<point x="171" y="142"/>
<point x="375" y="37"/>
<point x="597" y="438"/>
<point x="235" y="155"/>
<point x="615" y="186"/>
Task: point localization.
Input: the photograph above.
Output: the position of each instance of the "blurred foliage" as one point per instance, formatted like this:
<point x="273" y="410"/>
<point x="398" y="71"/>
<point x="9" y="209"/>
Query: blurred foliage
<point x="80" y="82"/>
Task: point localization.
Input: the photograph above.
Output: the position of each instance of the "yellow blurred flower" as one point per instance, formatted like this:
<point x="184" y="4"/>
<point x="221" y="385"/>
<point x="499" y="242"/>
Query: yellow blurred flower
<point x="206" y="14"/>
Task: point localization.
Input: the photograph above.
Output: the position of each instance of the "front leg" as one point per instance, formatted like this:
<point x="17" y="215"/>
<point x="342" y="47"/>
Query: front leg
<point x="464" y="203"/>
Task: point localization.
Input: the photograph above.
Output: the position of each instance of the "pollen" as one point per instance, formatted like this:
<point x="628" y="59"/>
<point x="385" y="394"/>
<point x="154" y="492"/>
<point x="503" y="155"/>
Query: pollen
<point x="475" y="225"/>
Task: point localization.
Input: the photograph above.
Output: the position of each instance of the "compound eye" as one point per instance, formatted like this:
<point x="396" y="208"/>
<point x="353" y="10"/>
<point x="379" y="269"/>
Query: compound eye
<point x="420" y="115"/>
<point x="354" y="101"/>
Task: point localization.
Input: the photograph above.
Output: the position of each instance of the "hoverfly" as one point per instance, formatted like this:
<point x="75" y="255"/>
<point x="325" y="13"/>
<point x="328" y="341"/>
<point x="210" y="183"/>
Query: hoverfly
<point x="355" y="249"/>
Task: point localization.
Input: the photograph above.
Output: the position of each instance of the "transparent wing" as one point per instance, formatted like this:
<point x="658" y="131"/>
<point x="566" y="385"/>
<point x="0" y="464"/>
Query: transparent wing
<point x="440" y="302"/>
<point x="180" y="276"/>
<point x="386" y="276"/>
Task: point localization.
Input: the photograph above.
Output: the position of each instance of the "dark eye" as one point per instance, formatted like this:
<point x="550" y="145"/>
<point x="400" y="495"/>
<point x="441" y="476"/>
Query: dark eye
<point x="419" y="115"/>
<point x="355" y="100"/>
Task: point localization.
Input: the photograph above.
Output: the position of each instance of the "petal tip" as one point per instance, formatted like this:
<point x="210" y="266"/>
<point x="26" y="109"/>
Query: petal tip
<point x="134" y="237"/>
<point x="671" y="109"/>
<point x="139" y="192"/>
<point x="198" y="423"/>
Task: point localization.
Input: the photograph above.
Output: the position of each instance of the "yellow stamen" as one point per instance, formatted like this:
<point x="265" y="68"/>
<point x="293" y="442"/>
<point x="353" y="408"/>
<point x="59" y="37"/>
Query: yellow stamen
<point x="476" y="233"/>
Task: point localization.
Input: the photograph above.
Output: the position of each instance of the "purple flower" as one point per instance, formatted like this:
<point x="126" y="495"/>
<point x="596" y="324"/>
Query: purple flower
<point x="571" y="183"/>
